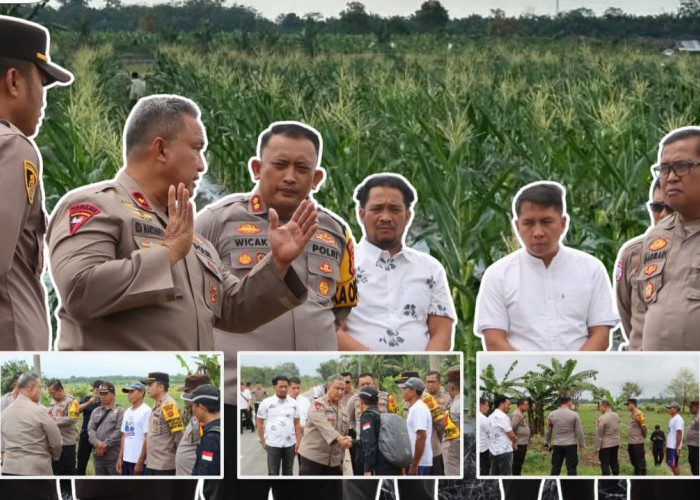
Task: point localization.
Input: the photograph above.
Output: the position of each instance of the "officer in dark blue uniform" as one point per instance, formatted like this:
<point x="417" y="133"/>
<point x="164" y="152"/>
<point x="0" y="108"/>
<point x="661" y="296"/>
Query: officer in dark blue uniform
<point x="206" y="405"/>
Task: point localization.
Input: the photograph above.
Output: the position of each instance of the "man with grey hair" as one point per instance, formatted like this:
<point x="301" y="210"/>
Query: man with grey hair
<point x="126" y="261"/>
<point x="32" y="439"/>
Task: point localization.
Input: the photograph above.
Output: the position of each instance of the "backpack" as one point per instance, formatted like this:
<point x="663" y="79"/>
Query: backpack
<point x="394" y="442"/>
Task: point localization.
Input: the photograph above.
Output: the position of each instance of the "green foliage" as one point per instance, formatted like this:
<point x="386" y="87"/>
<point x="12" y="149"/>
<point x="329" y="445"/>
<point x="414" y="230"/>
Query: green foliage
<point x="8" y="370"/>
<point x="205" y="364"/>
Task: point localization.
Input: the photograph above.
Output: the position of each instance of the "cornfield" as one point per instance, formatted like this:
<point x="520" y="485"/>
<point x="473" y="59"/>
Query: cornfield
<point x="467" y="126"/>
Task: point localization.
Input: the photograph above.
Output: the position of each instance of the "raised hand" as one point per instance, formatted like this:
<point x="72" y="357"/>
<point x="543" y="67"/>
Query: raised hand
<point x="180" y="229"/>
<point x="288" y="241"/>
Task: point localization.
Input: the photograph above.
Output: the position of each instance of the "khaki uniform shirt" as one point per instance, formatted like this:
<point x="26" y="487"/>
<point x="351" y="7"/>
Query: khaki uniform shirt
<point x="567" y="428"/>
<point x="66" y="424"/>
<point x="238" y="228"/>
<point x="325" y="423"/>
<point x="258" y="395"/>
<point x="32" y="438"/>
<point x="629" y="304"/>
<point x="5" y="401"/>
<point x="669" y="286"/>
<point x="109" y="431"/>
<point x="386" y="404"/>
<point x="636" y="427"/>
<point x="450" y="447"/>
<point x="442" y="399"/>
<point x="163" y="436"/>
<point x="691" y="437"/>
<point x="186" y="454"/>
<point x="521" y="428"/>
<point x="118" y="291"/>
<point x="607" y="430"/>
<point x="24" y="324"/>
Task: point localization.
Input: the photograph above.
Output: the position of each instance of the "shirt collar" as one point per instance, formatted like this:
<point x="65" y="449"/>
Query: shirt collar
<point x="539" y="263"/>
<point x="137" y="195"/>
<point x="374" y="252"/>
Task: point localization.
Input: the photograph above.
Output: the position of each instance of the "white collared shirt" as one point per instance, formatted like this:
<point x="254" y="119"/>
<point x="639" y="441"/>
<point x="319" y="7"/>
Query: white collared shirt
<point x="279" y="415"/>
<point x="483" y="432"/>
<point x="397" y="294"/>
<point x="499" y="427"/>
<point x="304" y="404"/>
<point x="545" y="308"/>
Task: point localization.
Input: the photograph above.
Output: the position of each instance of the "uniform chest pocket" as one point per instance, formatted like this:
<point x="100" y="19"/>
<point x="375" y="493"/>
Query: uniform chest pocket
<point x="213" y="292"/>
<point x="156" y="424"/>
<point x="245" y="259"/>
<point x="650" y="281"/>
<point x="323" y="274"/>
<point x="693" y="289"/>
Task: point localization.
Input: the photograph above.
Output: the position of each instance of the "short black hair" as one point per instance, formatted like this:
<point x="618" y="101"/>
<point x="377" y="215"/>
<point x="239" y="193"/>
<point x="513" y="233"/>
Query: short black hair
<point x="211" y="406"/>
<point x="283" y="378"/>
<point x="521" y="401"/>
<point x="385" y="180"/>
<point x="156" y="116"/>
<point x="55" y="383"/>
<point x="483" y="401"/>
<point x="564" y="399"/>
<point x="365" y="374"/>
<point x="346" y="374"/>
<point x="605" y="403"/>
<point x="96" y="384"/>
<point x="546" y="194"/>
<point x="499" y="399"/>
<point x="657" y="427"/>
<point x="22" y="66"/>
<point x="294" y="380"/>
<point x="632" y="400"/>
<point x="679" y="135"/>
<point x="293" y="131"/>
<point x="134" y="75"/>
<point x="433" y="372"/>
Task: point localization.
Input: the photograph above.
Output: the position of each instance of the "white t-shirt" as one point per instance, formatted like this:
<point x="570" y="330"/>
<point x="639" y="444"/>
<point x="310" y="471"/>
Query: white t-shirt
<point x="499" y="427"/>
<point x="398" y="294"/>
<point x="318" y="391"/>
<point x="674" y="425"/>
<point x="135" y="427"/>
<point x="243" y="400"/>
<point x="545" y="308"/>
<point x="483" y="432"/>
<point x="304" y="404"/>
<point x="279" y="415"/>
<point x="419" y="419"/>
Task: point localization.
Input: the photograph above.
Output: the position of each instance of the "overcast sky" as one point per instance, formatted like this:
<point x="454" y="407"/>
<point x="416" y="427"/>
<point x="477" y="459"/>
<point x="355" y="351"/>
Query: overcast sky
<point x="456" y="8"/>
<point x="94" y="364"/>
<point x="651" y="371"/>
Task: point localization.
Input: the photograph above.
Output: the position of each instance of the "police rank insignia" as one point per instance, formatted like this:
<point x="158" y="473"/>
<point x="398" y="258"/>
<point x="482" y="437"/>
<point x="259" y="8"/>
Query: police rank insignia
<point x="619" y="270"/>
<point x="248" y="229"/>
<point x="133" y="209"/>
<point x="325" y="237"/>
<point x="324" y="288"/>
<point x="31" y="179"/>
<point x="80" y="214"/>
<point x="141" y="200"/>
<point x="256" y="204"/>
<point x="259" y="256"/>
<point x="213" y="294"/>
<point x="658" y="244"/>
<point x="325" y="267"/>
<point x="649" y="290"/>
<point x="650" y="269"/>
<point x="245" y="259"/>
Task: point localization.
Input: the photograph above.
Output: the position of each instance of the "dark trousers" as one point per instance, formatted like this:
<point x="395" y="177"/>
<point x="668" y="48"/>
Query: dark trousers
<point x="232" y="487"/>
<point x="656" y="489"/>
<point x="637" y="458"/>
<point x="501" y="465"/>
<point x="143" y="489"/>
<point x="693" y="459"/>
<point x="247" y="420"/>
<point x="528" y="489"/>
<point x="29" y="489"/>
<point x="519" y="459"/>
<point x="658" y="452"/>
<point x="161" y="472"/>
<point x="484" y="463"/>
<point x="438" y="466"/>
<point x="84" y="451"/>
<point x="608" y="461"/>
<point x="417" y="489"/>
<point x="311" y="468"/>
<point x="65" y="465"/>
<point x="559" y="453"/>
<point x="277" y="456"/>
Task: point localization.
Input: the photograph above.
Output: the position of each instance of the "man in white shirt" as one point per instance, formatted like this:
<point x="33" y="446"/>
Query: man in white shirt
<point x="484" y="453"/>
<point x="318" y="390"/>
<point x="244" y="406"/>
<point x="502" y="440"/>
<point x="279" y="432"/>
<point x="302" y="401"/>
<point x="674" y="438"/>
<point x="132" y="453"/>
<point x="545" y="296"/>
<point x="420" y="427"/>
<point x="406" y="303"/>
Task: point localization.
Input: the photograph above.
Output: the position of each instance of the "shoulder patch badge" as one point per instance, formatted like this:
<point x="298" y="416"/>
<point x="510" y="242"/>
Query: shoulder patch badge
<point x="649" y="290"/>
<point x="259" y="256"/>
<point x="141" y="200"/>
<point x="619" y="270"/>
<point x="80" y="214"/>
<point x="31" y="179"/>
<point x="207" y="455"/>
<point x="325" y="267"/>
<point x="324" y="288"/>
<point x="245" y="259"/>
<point x="658" y="244"/>
<point x="366" y="425"/>
<point x="325" y="237"/>
<point x="650" y="269"/>
<point x="213" y="294"/>
<point x="248" y="229"/>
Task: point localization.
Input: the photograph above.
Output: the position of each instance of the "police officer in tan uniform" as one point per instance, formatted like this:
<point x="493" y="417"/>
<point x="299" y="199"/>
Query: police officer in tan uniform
<point x="626" y="276"/>
<point x="568" y="431"/>
<point x="322" y="448"/>
<point x="636" y="437"/>
<point x="25" y="74"/>
<point x="287" y="170"/>
<point x="607" y="439"/>
<point x="129" y="269"/>
<point x="105" y="432"/>
<point x="433" y="389"/>
<point x="521" y="428"/>
<point x="453" y="425"/>
<point x="186" y="453"/>
<point x="65" y="412"/>
<point x="166" y="427"/>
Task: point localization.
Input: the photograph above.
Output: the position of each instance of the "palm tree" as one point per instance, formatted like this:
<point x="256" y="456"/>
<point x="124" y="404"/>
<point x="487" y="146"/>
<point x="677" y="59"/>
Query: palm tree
<point x="490" y="385"/>
<point x="541" y="397"/>
<point x="564" y="382"/>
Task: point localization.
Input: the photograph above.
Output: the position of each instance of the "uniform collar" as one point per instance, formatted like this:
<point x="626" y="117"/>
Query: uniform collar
<point x="256" y="205"/>
<point x="211" y="424"/>
<point x="138" y="197"/>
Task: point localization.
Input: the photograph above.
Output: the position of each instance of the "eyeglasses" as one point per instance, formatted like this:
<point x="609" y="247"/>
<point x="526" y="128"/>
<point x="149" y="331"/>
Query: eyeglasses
<point x="680" y="168"/>
<point x="659" y="206"/>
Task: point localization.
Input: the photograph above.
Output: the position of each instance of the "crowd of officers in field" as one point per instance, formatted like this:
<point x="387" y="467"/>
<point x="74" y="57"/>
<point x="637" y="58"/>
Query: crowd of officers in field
<point x="337" y="418"/>
<point x="164" y="439"/>
<point x="504" y="439"/>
